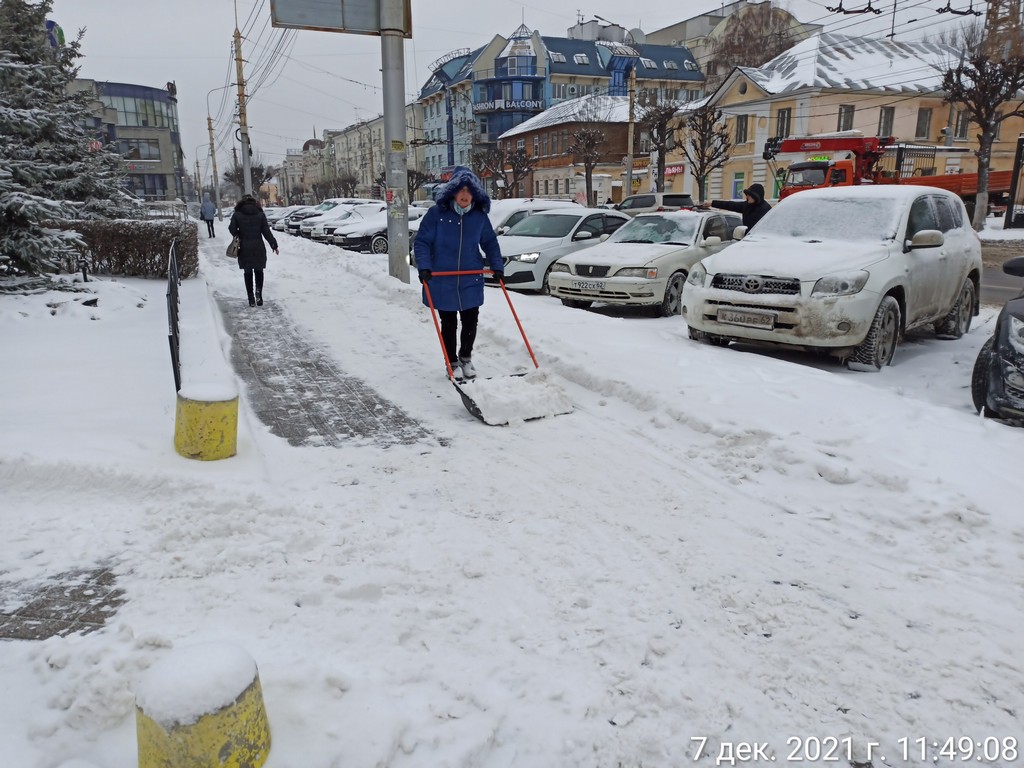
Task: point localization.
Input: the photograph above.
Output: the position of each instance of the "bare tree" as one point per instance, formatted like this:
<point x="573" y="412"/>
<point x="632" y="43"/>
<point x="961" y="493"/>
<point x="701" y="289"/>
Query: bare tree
<point x="348" y="182"/>
<point x="660" y="123"/>
<point x="706" y="144"/>
<point x="260" y="173"/>
<point x="490" y="164"/>
<point x="414" y="180"/>
<point x="586" y="147"/>
<point x="753" y="36"/>
<point x="988" y="83"/>
<point x="519" y="166"/>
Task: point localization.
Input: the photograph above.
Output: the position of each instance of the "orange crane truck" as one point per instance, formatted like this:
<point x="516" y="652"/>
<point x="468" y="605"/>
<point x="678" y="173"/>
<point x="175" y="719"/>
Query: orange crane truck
<point x="833" y="161"/>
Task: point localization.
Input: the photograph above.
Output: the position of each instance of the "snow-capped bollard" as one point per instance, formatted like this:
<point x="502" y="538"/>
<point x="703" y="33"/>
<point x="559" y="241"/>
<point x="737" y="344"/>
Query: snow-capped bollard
<point x="202" y="706"/>
<point x="206" y="422"/>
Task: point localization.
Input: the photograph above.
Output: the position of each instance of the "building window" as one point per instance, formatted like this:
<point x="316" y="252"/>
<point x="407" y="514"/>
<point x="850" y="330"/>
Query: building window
<point x="690" y="66"/>
<point x="556" y="186"/>
<point x="482" y="123"/>
<point x="545" y="186"/>
<point x="961" y="124"/>
<point x="581" y="58"/>
<point x="924" y="123"/>
<point x="885" y="119"/>
<point x="536" y="146"/>
<point x="738" y="184"/>
<point x="645" y="143"/>
<point x="536" y="188"/>
<point x="521" y="144"/>
<point x="506" y="91"/>
<point x="845" y="122"/>
<point x="741" y="129"/>
<point x="544" y="145"/>
<point x="648" y="63"/>
<point x="510" y="66"/>
<point x="782" y="122"/>
<point x="670" y="65"/>
<point x="557" y="57"/>
<point x="140" y="149"/>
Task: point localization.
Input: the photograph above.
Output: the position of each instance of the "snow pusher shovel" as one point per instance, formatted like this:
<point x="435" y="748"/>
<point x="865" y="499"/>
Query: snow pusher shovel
<point x="508" y="399"/>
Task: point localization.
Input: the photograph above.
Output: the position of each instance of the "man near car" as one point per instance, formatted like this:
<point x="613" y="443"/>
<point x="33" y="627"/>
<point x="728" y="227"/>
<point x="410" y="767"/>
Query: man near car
<point x="753" y="208"/>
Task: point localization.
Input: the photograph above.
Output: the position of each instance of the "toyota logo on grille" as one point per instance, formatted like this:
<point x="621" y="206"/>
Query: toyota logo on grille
<point x="752" y="284"/>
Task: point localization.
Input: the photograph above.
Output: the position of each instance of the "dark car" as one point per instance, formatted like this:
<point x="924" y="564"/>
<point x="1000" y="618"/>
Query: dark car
<point x="997" y="384"/>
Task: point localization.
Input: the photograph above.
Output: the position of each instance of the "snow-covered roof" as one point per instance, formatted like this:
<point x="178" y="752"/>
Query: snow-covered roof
<point x="856" y="63"/>
<point x="592" y="108"/>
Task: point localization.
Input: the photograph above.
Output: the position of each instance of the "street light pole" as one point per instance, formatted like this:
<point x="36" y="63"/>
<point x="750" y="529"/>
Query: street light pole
<point x="392" y="16"/>
<point x="213" y="150"/>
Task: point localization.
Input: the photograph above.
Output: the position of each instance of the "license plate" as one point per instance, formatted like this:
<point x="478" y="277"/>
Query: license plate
<point x="753" y="318"/>
<point x="588" y="285"/>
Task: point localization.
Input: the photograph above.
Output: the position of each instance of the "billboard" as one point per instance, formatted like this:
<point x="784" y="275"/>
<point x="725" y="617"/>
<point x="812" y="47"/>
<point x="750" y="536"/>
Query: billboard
<point x="360" y="17"/>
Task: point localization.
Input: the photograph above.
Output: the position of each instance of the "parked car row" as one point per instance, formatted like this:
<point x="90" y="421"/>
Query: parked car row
<point x="353" y="223"/>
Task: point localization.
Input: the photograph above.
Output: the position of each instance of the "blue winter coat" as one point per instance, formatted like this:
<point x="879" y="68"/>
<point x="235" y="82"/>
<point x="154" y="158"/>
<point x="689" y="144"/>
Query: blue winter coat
<point x="448" y="242"/>
<point x="208" y="211"/>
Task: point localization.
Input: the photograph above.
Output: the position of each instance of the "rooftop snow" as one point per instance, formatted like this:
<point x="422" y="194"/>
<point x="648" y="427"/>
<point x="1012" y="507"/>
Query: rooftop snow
<point x="592" y="108"/>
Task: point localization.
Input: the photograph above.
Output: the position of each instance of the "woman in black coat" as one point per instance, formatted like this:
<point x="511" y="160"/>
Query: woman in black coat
<point x="250" y="225"/>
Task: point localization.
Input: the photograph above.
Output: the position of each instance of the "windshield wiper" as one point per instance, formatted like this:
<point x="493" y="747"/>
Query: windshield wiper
<point x="675" y="242"/>
<point x="634" y="241"/>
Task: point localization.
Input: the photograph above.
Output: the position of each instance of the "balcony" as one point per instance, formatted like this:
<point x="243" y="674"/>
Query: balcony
<point x="522" y="73"/>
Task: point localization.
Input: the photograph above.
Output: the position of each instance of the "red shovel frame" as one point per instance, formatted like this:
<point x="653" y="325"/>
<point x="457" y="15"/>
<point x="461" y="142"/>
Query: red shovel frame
<point x="437" y="324"/>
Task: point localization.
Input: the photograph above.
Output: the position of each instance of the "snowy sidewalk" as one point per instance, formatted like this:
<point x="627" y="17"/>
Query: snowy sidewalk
<point x="298" y="391"/>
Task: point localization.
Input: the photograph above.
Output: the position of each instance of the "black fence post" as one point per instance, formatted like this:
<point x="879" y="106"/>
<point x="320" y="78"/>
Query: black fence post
<point x="173" y="339"/>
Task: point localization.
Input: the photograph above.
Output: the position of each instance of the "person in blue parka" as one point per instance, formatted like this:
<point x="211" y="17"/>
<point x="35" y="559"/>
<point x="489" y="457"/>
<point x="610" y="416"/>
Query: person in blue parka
<point x="456" y="235"/>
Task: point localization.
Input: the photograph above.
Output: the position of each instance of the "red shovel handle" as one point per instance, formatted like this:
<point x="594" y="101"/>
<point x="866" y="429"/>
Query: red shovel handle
<point x="508" y="298"/>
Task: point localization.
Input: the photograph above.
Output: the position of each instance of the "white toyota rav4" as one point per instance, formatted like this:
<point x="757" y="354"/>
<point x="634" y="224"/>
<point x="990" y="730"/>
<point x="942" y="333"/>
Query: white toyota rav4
<point x="845" y="270"/>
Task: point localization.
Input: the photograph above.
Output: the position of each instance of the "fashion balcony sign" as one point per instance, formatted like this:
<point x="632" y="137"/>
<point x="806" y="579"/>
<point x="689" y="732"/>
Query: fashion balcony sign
<point x="500" y="104"/>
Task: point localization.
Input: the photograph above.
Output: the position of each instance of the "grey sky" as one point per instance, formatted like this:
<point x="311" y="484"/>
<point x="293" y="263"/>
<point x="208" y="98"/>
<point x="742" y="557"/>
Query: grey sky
<point x="332" y="80"/>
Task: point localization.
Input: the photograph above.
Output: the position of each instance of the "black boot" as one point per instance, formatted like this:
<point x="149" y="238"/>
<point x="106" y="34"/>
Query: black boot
<point x="259" y="299"/>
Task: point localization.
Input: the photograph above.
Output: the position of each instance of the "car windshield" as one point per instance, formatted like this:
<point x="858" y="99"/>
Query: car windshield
<point x="554" y="225"/>
<point x="806" y="216"/>
<point x="657" y="229"/>
<point x="805" y="177"/>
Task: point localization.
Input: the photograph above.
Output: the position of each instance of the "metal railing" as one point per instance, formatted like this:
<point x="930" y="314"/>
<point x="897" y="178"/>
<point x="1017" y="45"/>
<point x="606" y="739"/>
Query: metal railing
<point x="173" y="338"/>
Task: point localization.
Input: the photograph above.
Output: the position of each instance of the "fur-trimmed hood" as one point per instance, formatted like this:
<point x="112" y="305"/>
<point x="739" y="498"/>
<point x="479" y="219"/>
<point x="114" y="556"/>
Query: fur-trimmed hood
<point x="463" y="177"/>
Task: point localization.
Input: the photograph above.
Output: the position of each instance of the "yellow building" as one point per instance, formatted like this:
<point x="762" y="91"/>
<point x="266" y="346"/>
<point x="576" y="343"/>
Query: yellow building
<point x="831" y="83"/>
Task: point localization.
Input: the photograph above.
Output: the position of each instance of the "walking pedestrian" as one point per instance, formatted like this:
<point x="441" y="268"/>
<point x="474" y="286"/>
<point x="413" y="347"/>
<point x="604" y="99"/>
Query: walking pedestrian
<point x="250" y="225"/>
<point x="207" y="212"/>
<point x="753" y="207"/>
<point x="451" y="236"/>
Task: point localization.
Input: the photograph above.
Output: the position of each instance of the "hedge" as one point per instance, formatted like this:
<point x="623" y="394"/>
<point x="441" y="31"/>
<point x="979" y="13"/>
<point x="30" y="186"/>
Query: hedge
<point x="135" y="248"/>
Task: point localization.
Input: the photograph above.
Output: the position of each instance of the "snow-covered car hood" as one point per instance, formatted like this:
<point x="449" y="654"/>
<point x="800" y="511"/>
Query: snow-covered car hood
<point x="512" y="245"/>
<point x="794" y="258"/>
<point x="624" y="254"/>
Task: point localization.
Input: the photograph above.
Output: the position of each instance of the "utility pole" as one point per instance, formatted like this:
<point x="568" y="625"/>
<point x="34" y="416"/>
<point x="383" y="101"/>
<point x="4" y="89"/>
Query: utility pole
<point x="392" y="42"/>
<point x="198" y="184"/>
<point x="242" y="123"/>
<point x="629" y="140"/>
<point x="216" y="178"/>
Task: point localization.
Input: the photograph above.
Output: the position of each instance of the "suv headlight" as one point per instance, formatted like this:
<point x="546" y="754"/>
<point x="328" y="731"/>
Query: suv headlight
<point x="1015" y="333"/>
<point x="559" y="267"/>
<point x="650" y="273"/>
<point x="697" y="275"/>
<point x="529" y="258"/>
<point x="840" y="285"/>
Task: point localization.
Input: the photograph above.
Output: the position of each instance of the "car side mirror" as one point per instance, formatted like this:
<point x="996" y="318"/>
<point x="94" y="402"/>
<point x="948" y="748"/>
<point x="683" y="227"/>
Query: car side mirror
<point x="712" y="241"/>
<point x="926" y="238"/>
<point x="501" y="230"/>
<point x="583" y="235"/>
<point x="739" y="232"/>
<point x="1014" y="266"/>
<point x="604" y="237"/>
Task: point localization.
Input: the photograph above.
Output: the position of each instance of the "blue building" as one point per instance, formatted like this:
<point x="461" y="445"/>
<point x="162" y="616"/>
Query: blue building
<point x="475" y="96"/>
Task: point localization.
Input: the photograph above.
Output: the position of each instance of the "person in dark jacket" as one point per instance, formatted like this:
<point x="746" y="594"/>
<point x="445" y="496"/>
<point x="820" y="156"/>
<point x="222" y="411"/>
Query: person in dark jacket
<point x="250" y="225"/>
<point x="207" y="213"/>
<point x="450" y="238"/>
<point x="753" y="208"/>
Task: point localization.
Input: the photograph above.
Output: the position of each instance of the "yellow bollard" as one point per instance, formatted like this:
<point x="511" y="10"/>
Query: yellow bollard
<point x="206" y="428"/>
<point x="202" y="708"/>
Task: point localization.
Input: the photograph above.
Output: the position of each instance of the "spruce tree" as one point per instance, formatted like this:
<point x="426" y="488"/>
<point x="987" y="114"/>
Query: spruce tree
<point x="48" y="172"/>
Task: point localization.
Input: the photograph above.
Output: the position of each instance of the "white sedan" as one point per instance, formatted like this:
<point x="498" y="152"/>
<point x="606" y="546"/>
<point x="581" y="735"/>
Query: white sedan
<point x="532" y="245"/>
<point x="845" y="270"/>
<point x="645" y="263"/>
<point x="370" y="234"/>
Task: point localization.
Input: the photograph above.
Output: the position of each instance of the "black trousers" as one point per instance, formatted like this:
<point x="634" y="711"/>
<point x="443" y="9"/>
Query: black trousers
<point x="209" y="227"/>
<point x="248" y="282"/>
<point x="449" y="326"/>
